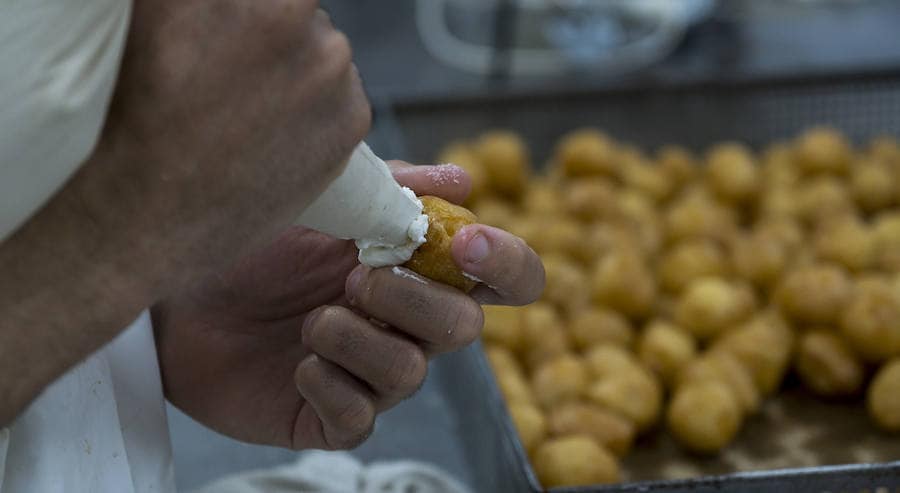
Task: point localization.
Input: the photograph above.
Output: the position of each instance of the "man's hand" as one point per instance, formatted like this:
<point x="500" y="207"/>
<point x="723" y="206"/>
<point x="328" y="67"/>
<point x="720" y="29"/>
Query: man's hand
<point x="228" y="118"/>
<point x="299" y="346"/>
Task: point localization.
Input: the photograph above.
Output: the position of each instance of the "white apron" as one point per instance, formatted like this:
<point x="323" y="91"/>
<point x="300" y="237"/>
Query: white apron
<point x="102" y="426"/>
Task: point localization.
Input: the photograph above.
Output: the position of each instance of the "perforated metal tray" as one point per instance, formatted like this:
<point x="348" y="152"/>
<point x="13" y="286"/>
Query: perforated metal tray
<point x="695" y="116"/>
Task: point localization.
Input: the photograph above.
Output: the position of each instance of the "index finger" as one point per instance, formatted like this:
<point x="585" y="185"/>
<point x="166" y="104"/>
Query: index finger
<point x="447" y="181"/>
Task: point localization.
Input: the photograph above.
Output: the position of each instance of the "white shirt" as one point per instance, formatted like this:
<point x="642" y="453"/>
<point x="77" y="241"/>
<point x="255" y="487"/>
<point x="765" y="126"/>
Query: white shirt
<point x="102" y="426"/>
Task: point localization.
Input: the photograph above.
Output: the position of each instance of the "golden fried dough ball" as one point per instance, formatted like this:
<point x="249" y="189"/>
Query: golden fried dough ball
<point x="559" y="380"/>
<point x="514" y="387"/>
<point x="637" y="215"/>
<point x="822" y="150"/>
<point x="600" y="238"/>
<point x="503" y="326"/>
<point x="666" y="349"/>
<point x="847" y="242"/>
<point x="494" y="212"/>
<point x="502" y="360"/>
<point x="556" y="235"/>
<point x="704" y="416"/>
<point x="787" y="231"/>
<point x="633" y="392"/>
<point x="530" y="423"/>
<point x="823" y="198"/>
<point x="732" y="173"/>
<point x="506" y="161"/>
<point x="870" y="322"/>
<point x="827" y="365"/>
<point x="587" y="152"/>
<point x="780" y="201"/>
<point x="814" y="294"/>
<point x="543" y="334"/>
<point x="464" y="156"/>
<point x="872" y="185"/>
<point x="778" y="167"/>
<point x="759" y="257"/>
<point x="887" y="241"/>
<point x="883" y="397"/>
<point x="726" y="368"/>
<point x="677" y="164"/>
<point x="590" y="199"/>
<point x="597" y="325"/>
<point x="574" y="460"/>
<point x="690" y="260"/>
<point x="606" y="427"/>
<point x="696" y="216"/>
<point x="885" y="149"/>
<point x="609" y="359"/>
<point x="646" y="178"/>
<point x="543" y="198"/>
<point x="764" y="346"/>
<point x="567" y="284"/>
<point x="712" y="305"/>
<point x="433" y="259"/>
<point x="623" y="281"/>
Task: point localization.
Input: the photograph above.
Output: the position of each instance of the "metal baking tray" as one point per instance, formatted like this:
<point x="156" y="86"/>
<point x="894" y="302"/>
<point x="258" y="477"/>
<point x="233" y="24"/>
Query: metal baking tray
<point x="837" y="434"/>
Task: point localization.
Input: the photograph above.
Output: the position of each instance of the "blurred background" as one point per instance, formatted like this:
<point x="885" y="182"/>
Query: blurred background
<point x="650" y="72"/>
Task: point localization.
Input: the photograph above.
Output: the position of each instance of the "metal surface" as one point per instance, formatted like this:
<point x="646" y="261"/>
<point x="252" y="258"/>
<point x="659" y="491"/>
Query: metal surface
<point x="696" y="116"/>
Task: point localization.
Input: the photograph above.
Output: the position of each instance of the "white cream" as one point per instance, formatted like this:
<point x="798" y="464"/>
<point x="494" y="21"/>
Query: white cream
<point x="366" y="204"/>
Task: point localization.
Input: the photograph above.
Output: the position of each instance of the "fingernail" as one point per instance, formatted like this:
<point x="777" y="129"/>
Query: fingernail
<point x="353" y="283"/>
<point x="477" y="249"/>
<point x="309" y="320"/>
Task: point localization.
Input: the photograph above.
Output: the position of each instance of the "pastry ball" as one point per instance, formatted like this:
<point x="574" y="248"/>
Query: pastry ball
<point x="883" y="397"/>
<point x="763" y="346"/>
<point x="887" y="241"/>
<point x="814" y="294"/>
<point x="556" y="234"/>
<point x="870" y="322"/>
<point x="759" y="257"/>
<point x="726" y="368"/>
<point x="623" y="281"/>
<point x="502" y="360"/>
<point x="506" y="161"/>
<point x="433" y="259"/>
<point x="543" y="198"/>
<point x="847" y="242"/>
<point x="872" y="184"/>
<point x="823" y="150"/>
<point x="464" y="156"/>
<point x="594" y="326"/>
<point x="530" y="423"/>
<point x="606" y="427"/>
<point x="514" y="387"/>
<point x="786" y="231"/>
<point x="823" y="198"/>
<point x="609" y="359"/>
<point x="827" y="365"/>
<point x="711" y="305"/>
<point x="780" y="201"/>
<point x="590" y="199"/>
<point x="666" y="350"/>
<point x="559" y="380"/>
<point x="677" y="164"/>
<point x="587" y="152"/>
<point x="567" y="285"/>
<point x="646" y="178"/>
<point x="690" y="260"/>
<point x="543" y="335"/>
<point x="885" y="149"/>
<point x="503" y="326"/>
<point x="698" y="217"/>
<point x="778" y="168"/>
<point x="704" y="416"/>
<point x="634" y="393"/>
<point x="732" y="173"/>
<point x="494" y="212"/>
<point x="574" y="460"/>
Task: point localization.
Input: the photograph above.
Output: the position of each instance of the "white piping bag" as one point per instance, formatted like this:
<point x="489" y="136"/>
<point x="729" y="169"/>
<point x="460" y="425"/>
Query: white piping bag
<point x="366" y="204"/>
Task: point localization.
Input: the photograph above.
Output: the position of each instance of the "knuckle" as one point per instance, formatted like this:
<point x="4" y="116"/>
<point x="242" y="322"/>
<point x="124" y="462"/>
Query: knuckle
<point x="465" y="326"/>
<point x="354" y="423"/>
<point x="406" y="372"/>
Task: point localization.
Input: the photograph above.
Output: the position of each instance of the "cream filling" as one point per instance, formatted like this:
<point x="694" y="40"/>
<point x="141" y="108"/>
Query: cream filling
<point x="376" y="252"/>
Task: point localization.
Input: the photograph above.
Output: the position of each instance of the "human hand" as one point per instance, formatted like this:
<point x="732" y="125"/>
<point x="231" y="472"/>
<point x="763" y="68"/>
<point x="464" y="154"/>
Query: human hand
<point x="299" y="346"/>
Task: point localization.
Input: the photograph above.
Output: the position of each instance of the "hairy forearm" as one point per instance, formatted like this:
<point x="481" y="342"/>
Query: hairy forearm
<point x="66" y="288"/>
